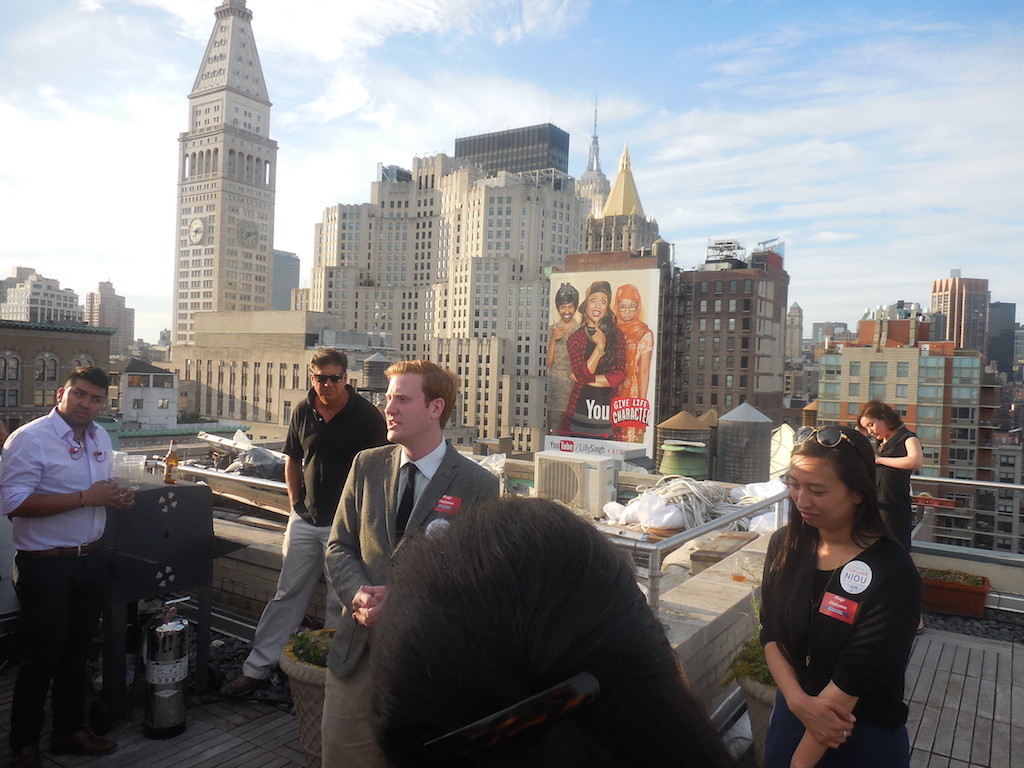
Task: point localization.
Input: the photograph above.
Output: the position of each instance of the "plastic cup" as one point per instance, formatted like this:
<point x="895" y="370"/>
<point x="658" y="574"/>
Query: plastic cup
<point x="740" y="568"/>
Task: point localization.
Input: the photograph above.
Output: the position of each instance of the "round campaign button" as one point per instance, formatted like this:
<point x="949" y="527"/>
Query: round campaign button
<point x="856" y="577"/>
<point x="436" y="527"/>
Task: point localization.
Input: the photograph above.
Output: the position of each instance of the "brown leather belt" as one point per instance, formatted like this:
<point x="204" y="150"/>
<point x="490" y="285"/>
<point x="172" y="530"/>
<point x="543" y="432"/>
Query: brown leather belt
<point x="80" y="551"/>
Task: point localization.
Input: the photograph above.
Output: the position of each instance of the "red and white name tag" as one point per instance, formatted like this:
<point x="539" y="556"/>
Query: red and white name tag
<point x="450" y="505"/>
<point x="838" y="607"/>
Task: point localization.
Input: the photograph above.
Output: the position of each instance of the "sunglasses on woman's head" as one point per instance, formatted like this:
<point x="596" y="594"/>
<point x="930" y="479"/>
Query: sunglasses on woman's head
<point x="826" y="437"/>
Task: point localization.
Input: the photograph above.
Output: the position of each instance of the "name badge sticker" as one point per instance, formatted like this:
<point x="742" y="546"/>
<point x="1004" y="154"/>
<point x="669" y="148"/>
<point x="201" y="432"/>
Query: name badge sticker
<point x="449" y="505"/>
<point x="838" y="607"/>
<point x="855" y="577"/>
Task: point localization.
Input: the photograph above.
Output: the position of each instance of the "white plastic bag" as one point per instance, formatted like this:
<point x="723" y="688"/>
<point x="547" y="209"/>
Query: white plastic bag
<point x="649" y="510"/>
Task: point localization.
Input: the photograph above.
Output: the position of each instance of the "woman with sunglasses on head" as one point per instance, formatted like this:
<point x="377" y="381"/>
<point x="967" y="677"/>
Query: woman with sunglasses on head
<point x="899" y="454"/>
<point x="840" y="597"/>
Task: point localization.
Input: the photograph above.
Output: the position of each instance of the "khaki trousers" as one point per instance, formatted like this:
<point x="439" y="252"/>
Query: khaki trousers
<point x="345" y="731"/>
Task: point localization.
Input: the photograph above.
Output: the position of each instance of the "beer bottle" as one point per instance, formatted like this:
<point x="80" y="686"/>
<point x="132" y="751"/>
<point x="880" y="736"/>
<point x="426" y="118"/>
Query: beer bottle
<point x="171" y="464"/>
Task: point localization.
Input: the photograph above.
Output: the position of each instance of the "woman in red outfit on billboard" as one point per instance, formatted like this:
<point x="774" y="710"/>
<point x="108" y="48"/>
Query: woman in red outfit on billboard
<point x="638" y="351"/>
<point x="598" y="366"/>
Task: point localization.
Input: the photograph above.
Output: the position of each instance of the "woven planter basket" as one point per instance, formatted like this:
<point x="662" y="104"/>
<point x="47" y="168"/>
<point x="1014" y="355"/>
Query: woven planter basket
<point x="760" y="702"/>
<point x="307" y="684"/>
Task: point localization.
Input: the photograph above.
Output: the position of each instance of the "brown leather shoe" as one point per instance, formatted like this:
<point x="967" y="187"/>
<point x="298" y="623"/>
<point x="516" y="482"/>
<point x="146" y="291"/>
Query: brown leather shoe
<point x="81" y="743"/>
<point x="28" y="757"/>
<point x="242" y="685"/>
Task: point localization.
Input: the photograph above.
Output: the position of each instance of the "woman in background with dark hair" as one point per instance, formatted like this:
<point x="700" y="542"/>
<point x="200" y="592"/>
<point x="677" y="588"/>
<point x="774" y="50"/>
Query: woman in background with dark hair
<point x="596" y="354"/>
<point x="518" y="637"/>
<point x="899" y="454"/>
<point x="840" y="597"/>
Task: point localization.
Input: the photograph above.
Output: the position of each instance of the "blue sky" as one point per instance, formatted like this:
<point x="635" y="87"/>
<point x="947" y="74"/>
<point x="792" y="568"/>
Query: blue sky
<point x="884" y="142"/>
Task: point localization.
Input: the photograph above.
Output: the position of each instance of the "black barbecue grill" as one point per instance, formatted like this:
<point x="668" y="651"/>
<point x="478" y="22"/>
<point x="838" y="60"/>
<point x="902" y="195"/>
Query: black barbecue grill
<point x="164" y="544"/>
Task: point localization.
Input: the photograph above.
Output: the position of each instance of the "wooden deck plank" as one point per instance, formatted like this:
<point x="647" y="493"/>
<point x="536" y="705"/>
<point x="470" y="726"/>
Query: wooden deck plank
<point x="926" y="731"/>
<point x="945" y="730"/>
<point x="950" y="678"/>
<point x="1000" y="748"/>
<point x="981" y="743"/>
<point x="986" y="698"/>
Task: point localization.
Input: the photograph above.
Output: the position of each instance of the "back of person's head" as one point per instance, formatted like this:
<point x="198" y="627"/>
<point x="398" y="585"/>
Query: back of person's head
<point x="511" y="599"/>
<point x="879" y="411"/>
<point x="437" y="382"/>
<point x="328" y="356"/>
<point x="91" y="374"/>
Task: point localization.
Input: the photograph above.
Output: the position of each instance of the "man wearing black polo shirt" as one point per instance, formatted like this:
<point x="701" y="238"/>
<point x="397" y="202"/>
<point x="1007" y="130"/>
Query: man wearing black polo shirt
<point x="326" y="432"/>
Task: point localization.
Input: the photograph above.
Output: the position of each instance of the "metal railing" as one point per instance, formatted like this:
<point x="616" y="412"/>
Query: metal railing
<point x="655" y="552"/>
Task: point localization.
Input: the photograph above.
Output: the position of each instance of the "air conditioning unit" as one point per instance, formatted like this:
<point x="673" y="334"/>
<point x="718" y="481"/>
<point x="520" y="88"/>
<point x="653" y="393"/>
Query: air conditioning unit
<point x="584" y="482"/>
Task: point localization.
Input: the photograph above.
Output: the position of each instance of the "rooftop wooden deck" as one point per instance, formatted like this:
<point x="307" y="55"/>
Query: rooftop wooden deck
<point x="966" y="711"/>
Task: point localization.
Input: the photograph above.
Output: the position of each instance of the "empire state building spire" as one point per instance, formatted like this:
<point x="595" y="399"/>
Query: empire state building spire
<point x="594" y="161"/>
<point x="593" y="184"/>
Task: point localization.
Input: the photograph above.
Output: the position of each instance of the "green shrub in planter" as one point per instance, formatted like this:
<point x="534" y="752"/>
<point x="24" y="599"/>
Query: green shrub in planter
<point x="951" y="576"/>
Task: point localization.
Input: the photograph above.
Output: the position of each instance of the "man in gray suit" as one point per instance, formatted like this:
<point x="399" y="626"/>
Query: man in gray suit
<point x="394" y="491"/>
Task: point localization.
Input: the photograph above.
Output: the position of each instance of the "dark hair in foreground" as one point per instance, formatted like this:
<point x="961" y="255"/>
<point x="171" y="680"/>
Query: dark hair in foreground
<point x="90" y="374"/>
<point x="513" y="598"/>
<point x="854" y="463"/>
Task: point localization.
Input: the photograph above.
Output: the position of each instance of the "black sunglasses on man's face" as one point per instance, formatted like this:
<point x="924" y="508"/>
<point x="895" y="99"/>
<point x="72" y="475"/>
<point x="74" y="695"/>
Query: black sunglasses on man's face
<point x="323" y="378"/>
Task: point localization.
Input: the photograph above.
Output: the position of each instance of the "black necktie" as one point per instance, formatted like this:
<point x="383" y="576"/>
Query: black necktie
<point x="405" y="505"/>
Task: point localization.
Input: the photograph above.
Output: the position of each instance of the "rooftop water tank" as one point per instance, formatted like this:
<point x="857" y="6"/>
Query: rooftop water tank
<point x="744" y="446"/>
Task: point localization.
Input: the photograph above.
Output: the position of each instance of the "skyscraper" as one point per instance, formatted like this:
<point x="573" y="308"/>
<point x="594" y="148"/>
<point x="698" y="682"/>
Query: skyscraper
<point x="452" y="259"/>
<point x="1002" y="322"/>
<point x="226" y="179"/>
<point x="105" y="309"/>
<point x="963" y="301"/>
<point x="728" y="321"/>
<point x="533" y="148"/>
<point x="38" y="299"/>
<point x="593" y="184"/>
<point x="794" y="332"/>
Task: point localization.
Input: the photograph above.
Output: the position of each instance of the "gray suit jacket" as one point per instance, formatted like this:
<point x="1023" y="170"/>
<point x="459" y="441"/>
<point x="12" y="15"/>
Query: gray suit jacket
<point x="364" y="534"/>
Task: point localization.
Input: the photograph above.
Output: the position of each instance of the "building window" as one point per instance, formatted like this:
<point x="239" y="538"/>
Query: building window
<point x="163" y="402"/>
<point x="137" y="404"/>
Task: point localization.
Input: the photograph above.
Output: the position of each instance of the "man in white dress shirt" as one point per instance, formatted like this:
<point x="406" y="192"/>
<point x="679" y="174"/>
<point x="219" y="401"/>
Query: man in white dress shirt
<point x="55" y="488"/>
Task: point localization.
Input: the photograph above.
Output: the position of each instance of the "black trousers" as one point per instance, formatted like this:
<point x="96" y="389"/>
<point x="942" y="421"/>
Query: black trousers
<point x="61" y="602"/>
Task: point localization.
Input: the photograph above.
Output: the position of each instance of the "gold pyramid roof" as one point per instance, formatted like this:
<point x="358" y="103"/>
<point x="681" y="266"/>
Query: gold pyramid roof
<point x="623" y="200"/>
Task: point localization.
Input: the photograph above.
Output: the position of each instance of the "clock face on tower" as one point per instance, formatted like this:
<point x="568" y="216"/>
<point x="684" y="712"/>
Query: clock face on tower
<point x="247" y="234"/>
<point x="195" y="231"/>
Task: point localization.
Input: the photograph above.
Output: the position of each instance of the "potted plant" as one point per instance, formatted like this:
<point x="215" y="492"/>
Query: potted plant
<point x="749" y="669"/>
<point x="304" y="660"/>
<point x="951" y="591"/>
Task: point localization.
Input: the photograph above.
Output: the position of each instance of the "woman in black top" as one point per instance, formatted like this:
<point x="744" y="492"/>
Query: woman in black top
<point x="839" y="612"/>
<point x="899" y="454"/>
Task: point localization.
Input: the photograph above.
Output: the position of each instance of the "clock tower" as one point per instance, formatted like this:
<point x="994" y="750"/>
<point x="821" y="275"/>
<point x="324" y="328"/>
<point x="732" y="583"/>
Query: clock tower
<point x="226" y="178"/>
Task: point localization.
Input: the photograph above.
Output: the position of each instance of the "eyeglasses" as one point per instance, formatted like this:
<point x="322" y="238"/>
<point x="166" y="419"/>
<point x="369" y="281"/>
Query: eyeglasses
<point x="323" y="378"/>
<point x="542" y="709"/>
<point x="78" y="451"/>
<point x="826" y="437"/>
